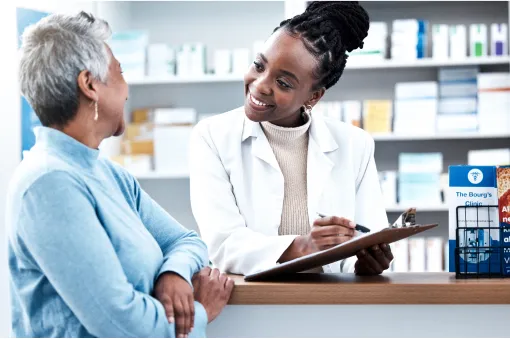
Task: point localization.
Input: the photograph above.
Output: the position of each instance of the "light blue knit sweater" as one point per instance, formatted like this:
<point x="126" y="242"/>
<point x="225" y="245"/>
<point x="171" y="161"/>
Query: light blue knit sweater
<point x="86" y="245"/>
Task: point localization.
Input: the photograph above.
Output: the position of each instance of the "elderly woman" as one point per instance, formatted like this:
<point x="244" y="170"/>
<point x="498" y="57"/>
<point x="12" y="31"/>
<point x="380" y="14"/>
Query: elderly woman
<point x="90" y="253"/>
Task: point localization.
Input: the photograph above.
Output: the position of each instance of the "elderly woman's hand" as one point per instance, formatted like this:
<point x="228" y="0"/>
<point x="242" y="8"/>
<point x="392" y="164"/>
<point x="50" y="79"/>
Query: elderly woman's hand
<point x="213" y="290"/>
<point x="176" y="295"/>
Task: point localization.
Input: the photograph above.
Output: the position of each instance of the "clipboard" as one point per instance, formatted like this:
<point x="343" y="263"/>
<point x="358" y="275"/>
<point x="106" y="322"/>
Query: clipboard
<point x="403" y="228"/>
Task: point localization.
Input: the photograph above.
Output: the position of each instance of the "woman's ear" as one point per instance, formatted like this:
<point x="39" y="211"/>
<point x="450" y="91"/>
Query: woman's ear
<point x="316" y="96"/>
<point x="88" y="85"/>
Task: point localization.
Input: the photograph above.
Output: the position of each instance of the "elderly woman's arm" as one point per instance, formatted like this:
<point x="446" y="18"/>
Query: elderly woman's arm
<point x="183" y="250"/>
<point x="60" y="230"/>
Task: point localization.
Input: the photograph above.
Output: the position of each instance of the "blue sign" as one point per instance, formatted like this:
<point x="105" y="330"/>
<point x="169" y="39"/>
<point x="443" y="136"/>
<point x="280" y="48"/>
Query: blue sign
<point x="29" y="120"/>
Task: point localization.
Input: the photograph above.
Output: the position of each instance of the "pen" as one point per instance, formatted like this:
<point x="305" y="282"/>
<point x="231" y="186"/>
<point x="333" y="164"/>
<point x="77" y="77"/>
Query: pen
<point x="358" y="227"/>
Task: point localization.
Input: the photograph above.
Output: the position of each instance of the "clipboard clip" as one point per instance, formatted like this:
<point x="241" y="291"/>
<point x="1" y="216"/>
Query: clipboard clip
<point x="406" y="219"/>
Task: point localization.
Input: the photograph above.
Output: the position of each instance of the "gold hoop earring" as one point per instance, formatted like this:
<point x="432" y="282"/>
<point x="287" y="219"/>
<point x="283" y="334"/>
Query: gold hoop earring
<point x="96" y="116"/>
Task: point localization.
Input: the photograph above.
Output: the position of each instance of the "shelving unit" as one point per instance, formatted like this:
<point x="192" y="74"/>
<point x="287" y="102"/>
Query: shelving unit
<point x="236" y="24"/>
<point x="387" y="64"/>
<point x="444" y="136"/>
<point x="430" y="63"/>
<point x="159" y="175"/>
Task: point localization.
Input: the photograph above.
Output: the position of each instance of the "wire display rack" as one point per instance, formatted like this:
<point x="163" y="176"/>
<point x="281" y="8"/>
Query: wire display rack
<point x="482" y="246"/>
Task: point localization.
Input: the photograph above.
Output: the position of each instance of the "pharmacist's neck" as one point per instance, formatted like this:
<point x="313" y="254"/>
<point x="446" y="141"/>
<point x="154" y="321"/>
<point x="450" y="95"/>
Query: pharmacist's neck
<point x="83" y="131"/>
<point x="295" y="120"/>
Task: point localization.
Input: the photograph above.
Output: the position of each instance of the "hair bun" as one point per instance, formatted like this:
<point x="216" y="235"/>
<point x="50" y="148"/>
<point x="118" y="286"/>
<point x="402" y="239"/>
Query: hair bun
<point x="349" y="19"/>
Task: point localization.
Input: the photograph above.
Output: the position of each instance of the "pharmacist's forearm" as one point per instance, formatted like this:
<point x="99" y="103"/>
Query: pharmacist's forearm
<point x="297" y="249"/>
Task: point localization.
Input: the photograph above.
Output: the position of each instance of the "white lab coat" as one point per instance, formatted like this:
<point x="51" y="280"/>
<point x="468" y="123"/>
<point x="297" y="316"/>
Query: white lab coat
<point x="237" y="188"/>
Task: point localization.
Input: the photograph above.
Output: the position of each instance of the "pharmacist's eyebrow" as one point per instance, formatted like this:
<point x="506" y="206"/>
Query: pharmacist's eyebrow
<point x="287" y="73"/>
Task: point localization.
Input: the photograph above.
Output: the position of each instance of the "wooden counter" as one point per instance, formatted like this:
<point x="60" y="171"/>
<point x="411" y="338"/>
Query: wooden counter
<point x="390" y="288"/>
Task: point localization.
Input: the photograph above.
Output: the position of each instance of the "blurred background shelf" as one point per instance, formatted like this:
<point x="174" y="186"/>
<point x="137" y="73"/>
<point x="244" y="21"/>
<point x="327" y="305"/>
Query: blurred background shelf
<point x="206" y="78"/>
<point x="386" y="64"/>
<point x="235" y="25"/>
<point x="429" y="62"/>
<point x="150" y="175"/>
<point x="444" y="136"/>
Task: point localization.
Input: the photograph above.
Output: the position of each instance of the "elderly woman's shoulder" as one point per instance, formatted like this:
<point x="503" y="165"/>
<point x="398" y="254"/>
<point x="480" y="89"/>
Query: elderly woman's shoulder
<point x="40" y="166"/>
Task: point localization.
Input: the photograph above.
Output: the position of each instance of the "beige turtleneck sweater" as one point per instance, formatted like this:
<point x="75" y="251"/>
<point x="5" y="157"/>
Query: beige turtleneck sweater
<point x="290" y="147"/>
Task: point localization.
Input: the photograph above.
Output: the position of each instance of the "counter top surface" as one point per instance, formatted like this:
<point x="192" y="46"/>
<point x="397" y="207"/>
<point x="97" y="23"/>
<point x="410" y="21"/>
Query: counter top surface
<point x="389" y="288"/>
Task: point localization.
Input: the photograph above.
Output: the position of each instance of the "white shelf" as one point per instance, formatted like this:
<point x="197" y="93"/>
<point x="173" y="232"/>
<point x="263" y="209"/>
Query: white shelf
<point x="206" y="78"/>
<point x="386" y="64"/>
<point x="444" y="136"/>
<point x="421" y="63"/>
<point x="159" y="175"/>
<point x="424" y="208"/>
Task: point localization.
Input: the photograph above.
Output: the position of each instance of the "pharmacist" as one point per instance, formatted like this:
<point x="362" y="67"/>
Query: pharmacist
<point x="261" y="174"/>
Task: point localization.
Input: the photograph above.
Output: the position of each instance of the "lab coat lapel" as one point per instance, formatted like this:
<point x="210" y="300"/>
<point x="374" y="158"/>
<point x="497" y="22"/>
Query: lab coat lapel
<point x="319" y="165"/>
<point x="267" y="183"/>
<point x="262" y="150"/>
<point x="260" y="145"/>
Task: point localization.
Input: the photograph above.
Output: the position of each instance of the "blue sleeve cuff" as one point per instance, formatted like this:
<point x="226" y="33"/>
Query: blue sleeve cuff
<point x="201" y="320"/>
<point x="181" y="264"/>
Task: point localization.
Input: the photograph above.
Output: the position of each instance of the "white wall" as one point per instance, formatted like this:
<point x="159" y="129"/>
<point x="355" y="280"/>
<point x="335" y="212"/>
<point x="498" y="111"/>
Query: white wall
<point x="10" y="119"/>
<point x="10" y="143"/>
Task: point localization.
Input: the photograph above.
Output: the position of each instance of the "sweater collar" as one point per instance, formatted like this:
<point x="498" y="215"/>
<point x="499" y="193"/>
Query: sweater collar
<point x="283" y="135"/>
<point x="319" y="132"/>
<point x="66" y="146"/>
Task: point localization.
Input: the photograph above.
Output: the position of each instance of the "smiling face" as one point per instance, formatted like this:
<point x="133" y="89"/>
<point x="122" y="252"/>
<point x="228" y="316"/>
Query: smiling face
<point x="280" y="81"/>
<point x="113" y="96"/>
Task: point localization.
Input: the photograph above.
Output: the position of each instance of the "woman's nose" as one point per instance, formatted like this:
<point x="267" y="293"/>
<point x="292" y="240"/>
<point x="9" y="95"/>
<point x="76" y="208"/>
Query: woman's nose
<point x="262" y="85"/>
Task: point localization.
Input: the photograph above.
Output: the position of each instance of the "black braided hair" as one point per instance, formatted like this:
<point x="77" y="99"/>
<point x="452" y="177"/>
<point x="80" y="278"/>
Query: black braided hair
<point x="329" y="29"/>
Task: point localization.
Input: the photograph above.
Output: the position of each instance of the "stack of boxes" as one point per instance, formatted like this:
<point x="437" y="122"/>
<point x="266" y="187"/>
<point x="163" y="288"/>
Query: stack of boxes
<point x="377" y="116"/>
<point x="415" y="108"/>
<point x="419" y="178"/>
<point x="462" y="101"/>
<point x="374" y="45"/>
<point x="172" y="133"/>
<point x="409" y="39"/>
<point x="351" y="110"/>
<point x="158" y="140"/>
<point x="494" y="103"/>
<point x="346" y="111"/>
<point x="138" y="143"/>
<point x="457" y="109"/>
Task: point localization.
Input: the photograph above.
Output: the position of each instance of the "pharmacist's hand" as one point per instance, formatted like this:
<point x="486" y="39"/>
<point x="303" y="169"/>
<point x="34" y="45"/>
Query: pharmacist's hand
<point x="328" y="232"/>
<point x="176" y="295"/>
<point x="374" y="260"/>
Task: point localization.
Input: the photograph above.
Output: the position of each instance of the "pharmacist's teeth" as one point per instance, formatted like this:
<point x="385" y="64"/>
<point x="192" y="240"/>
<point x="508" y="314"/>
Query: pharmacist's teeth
<point x="256" y="102"/>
